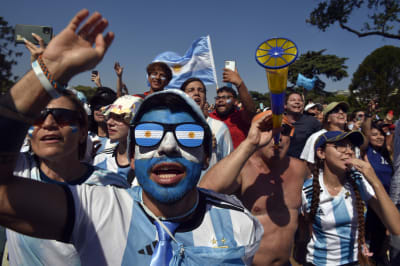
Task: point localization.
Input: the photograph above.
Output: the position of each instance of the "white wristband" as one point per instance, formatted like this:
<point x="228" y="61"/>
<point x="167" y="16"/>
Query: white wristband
<point x="44" y="81"/>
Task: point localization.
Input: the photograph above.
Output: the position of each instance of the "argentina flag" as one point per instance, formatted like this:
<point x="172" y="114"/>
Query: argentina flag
<point x="197" y="62"/>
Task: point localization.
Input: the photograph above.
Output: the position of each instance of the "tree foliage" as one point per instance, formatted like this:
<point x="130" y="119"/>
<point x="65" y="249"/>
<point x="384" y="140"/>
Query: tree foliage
<point x="88" y="91"/>
<point x="383" y="18"/>
<point x="315" y="63"/>
<point x="7" y="55"/>
<point x="378" y="77"/>
<point x="260" y="98"/>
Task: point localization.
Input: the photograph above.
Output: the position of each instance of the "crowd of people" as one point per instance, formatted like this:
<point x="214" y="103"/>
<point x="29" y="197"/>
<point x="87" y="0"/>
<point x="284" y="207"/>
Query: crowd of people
<point x="165" y="178"/>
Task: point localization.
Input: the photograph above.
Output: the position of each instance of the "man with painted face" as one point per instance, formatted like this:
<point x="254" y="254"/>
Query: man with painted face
<point x="167" y="221"/>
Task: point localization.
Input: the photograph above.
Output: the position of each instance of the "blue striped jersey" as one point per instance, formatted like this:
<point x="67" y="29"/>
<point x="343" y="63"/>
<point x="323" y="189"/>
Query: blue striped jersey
<point x="112" y="228"/>
<point x="334" y="238"/>
<point x="26" y="250"/>
<point x="109" y="162"/>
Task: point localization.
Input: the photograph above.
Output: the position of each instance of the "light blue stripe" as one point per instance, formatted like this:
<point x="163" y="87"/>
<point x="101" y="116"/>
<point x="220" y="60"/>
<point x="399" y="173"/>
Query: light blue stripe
<point x="199" y="49"/>
<point x="320" y="251"/>
<point x="343" y="228"/>
<point x="191" y="142"/>
<point x="146" y="141"/>
<point x="221" y="220"/>
<point x="141" y="233"/>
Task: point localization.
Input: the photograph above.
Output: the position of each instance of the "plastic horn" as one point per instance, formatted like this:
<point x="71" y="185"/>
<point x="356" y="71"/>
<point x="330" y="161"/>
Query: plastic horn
<point x="275" y="55"/>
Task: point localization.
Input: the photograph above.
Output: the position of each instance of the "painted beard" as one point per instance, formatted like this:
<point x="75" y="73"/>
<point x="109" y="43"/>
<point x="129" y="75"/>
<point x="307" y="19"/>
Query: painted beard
<point x="167" y="194"/>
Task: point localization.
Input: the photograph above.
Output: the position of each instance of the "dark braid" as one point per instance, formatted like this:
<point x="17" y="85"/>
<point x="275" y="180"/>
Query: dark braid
<point x="315" y="193"/>
<point x="362" y="259"/>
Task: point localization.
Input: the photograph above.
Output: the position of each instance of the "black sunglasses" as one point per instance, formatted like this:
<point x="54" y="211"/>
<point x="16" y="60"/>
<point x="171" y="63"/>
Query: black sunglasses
<point x="150" y="134"/>
<point x="62" y="116"/>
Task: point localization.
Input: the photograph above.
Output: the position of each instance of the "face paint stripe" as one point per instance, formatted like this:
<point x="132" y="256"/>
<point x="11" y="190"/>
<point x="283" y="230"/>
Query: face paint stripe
<point x="30" y="131"/>
<point x="74" y="129"/>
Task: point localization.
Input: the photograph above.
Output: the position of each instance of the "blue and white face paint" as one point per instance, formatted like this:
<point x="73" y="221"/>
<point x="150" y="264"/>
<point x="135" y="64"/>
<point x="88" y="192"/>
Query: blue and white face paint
<point x="168" y="171"/>
<point x="30" y="131"/>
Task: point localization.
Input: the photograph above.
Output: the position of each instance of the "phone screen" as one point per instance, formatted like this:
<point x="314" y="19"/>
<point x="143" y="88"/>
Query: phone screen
<point x="230" y="64"/>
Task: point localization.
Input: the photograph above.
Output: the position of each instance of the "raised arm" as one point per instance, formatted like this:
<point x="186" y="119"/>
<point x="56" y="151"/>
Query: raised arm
<point x="119" y="70"/>
<point x="381" y="203"/>
<point x="224" y="176"/>
<point x="244" y="95"/>
<point x="27" y="206"/>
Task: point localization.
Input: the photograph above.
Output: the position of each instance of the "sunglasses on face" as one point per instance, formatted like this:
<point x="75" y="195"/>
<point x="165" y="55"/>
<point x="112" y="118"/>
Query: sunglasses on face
<point x="337" y="110"/>
<point x="98" y="107"/>
<point x="62" y="116"/>
<point x="150" y="134"/>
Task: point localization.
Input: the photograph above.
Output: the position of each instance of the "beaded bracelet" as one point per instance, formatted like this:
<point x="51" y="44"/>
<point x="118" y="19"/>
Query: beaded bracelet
<point x="46" y="78"/>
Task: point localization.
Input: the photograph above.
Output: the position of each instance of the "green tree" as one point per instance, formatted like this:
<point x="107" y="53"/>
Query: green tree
<point x="7" y="56"/>
<point x="383" y="18"/>
<point x="315" y="63"/>
<point x="260" y="98"/>
<point x="88" y="91"/>
<point x="378" y="77"/>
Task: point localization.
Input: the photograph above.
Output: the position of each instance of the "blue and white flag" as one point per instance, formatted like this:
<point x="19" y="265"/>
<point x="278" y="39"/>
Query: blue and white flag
<point x="197" y="62"/>
<point x="307" y="83"/>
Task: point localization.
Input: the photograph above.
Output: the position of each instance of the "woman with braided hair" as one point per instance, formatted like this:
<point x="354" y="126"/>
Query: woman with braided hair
<point x="334" y="202"/>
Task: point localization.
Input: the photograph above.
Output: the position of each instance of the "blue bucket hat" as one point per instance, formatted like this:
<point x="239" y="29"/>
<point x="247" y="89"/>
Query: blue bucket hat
<point x="355" y="137"/>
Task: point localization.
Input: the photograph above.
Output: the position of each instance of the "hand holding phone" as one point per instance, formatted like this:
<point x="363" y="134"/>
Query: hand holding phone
<point x="95" y="77"/>
<point x="33" y="49"/>
<point x="25" y="32"/>
<point x="230" y="75"/>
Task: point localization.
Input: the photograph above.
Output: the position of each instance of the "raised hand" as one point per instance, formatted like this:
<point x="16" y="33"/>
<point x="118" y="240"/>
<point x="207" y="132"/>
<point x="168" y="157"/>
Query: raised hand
<point x="231" y="76"/>
<point x="72" y="51"/>
<point x="118" y="69"/>
<point x="260" y="133"/>
<point x="33" y="49"/>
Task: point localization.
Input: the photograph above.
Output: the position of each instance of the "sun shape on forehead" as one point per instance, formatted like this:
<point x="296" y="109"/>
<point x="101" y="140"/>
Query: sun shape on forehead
<point x="166" y="116"/>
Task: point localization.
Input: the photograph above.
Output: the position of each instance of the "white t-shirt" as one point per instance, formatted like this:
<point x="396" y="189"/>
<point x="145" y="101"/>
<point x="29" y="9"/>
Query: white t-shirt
<point x="308" y="153"/>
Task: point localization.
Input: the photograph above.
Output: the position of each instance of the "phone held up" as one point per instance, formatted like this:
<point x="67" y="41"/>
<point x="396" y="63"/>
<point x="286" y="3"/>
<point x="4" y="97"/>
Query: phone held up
<point x="25" y="31"/>
<point x="230" y="64"/>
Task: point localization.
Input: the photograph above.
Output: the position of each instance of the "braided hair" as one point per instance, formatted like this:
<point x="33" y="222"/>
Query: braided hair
<point x="360" y="206"/>
<point x="362" y="259"/>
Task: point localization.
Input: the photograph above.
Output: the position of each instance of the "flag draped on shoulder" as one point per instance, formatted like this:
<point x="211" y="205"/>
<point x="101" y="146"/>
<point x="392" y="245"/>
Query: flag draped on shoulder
<point x="197" y="62"/>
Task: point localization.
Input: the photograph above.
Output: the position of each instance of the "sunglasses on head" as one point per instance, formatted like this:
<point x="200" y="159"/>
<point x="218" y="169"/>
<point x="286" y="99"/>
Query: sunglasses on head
<point x="62" y="116"/>
<point x="150" y="134"/>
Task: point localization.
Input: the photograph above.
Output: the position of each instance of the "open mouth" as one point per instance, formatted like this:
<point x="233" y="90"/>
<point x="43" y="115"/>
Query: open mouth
<point x="167" y="174"/>
<point x="51" y="138"/>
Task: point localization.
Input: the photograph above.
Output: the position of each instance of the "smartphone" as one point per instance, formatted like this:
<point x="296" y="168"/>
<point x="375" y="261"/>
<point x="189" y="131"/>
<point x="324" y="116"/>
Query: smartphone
<point x="25" y="31"/>
<point x="230" y="64"/>
<point x="95" y="72"/>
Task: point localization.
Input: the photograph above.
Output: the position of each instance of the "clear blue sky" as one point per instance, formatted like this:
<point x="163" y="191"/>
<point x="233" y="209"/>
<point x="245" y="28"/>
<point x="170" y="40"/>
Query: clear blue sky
<point x="143" y="29"/>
